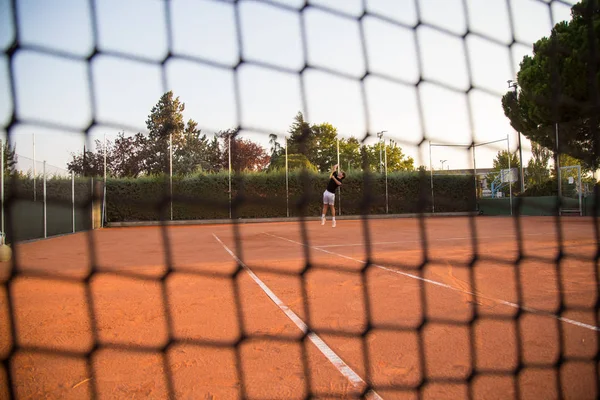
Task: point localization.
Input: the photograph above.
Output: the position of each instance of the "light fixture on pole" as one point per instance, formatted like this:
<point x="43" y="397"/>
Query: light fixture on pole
<point x="386" y="179"/>
<point x="514" y="85"/>
<point x="171" y="175"/>
<point x="443" y="161"/>
<point x="380" y="137"/>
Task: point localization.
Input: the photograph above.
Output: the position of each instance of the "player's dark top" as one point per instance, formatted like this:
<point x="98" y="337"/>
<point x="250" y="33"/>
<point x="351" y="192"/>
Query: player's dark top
<point x="331" y="186"/>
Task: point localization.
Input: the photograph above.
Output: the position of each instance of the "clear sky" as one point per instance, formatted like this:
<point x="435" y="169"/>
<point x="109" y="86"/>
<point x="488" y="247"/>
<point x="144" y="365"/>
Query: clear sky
<point x="56" y="99"/>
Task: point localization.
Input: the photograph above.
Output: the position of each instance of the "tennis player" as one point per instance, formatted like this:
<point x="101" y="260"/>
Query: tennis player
<point x="335" y="180"/>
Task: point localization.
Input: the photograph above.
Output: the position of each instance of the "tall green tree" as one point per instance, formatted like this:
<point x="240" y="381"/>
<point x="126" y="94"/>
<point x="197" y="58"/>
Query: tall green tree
<point x="276" y="149"/>
<point x="88" y="162"/>
<point x="126" y="157"/>
<point x="559" y="84"/>
<point x="319" y="143"/>
<point x="10" y="159"/>
<point x="165" y="120"/>
<point x="295" y="162"/>
<point x="350" y="153"/>
<point x="537" y="169"/>
<point x="214" y="155"/>
<point x="301" y="139"/>
<point x="190" y="150"/>
<point x="396" y="159"/>
<point x="324" y="145"/>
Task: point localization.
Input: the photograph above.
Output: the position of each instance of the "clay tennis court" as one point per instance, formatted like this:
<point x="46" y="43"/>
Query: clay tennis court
<point x="422" y="316"/>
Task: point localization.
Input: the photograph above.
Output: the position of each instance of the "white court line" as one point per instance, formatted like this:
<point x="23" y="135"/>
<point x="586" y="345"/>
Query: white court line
<point x="341" y="366"/>
<point x="436" y="240"/>
<point x="500" y="301"/>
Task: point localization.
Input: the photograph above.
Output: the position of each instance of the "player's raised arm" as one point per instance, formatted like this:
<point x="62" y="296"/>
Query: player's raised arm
<point x="333" y="176"/>
<point x="335" y="167"/>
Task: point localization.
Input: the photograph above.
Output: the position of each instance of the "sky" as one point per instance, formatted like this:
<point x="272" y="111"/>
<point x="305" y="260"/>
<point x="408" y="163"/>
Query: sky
<point x="419" y="70"/>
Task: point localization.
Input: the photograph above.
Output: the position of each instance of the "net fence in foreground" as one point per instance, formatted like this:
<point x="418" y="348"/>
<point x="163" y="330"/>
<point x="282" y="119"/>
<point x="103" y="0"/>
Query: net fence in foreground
<point x="585" y="380"/>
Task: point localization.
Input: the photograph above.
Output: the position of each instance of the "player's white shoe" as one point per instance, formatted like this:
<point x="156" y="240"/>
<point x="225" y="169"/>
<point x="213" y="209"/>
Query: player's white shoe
<point x="333" y="224"/>
<point x="322" y="221"/>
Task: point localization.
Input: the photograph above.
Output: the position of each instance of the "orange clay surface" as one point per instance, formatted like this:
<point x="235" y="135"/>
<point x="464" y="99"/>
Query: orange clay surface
<point x="203" y="332"/>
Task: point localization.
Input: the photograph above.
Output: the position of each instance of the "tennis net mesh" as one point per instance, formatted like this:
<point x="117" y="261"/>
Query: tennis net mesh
<point x="360" y="15"/>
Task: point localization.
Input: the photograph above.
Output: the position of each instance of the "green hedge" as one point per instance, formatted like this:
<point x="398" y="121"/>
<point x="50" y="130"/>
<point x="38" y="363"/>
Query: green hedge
<point x="259" y="195"/>
<point x="546" y="188"/>
<point x="58" y="190"/>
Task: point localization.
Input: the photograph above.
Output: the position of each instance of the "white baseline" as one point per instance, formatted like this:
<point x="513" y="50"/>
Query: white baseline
<point x="341" y="366"/>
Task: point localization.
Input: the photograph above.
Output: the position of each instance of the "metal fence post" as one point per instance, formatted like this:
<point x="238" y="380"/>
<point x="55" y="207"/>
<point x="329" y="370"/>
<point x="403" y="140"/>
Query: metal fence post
<point x="386" y="177"/>
<point x="229" y="151"/>
<point x="579" y="189"/>
<point x="2" y="184"/>
<point x="45" y="209"/>
<point x="287" y="187"/>
<point x="431" y="180"/>
<point x="34" y="172"/>
<point x="170" y="174"/>
<point x="339" y="169"/>
<point x="73" y="198"/>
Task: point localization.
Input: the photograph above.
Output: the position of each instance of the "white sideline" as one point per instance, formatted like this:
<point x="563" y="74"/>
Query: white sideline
<point x="500" y="301"/>
<point x="341" y="366"/>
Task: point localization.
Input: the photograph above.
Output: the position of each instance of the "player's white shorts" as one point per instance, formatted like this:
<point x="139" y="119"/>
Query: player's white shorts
<point x="328" y="198"/>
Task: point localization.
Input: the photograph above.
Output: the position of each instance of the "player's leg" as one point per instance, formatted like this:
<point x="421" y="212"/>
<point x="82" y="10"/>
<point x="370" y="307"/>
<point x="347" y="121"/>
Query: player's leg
<point x="332" y="215"/>
<point x="325" y="201"/>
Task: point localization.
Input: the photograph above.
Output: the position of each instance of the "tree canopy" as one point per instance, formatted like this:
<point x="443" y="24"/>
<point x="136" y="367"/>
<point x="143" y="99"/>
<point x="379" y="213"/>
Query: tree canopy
<point x="319" y="142"/>
<point x="193" y="151"/>
<point x="537" y="168"/>
<point x="559" y="85"/>
<point x="10" y="158"/>
<point x="310" y="146"/>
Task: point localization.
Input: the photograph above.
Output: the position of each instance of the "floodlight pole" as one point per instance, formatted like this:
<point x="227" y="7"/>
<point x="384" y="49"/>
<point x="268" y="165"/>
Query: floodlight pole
<point x="340" y="190"/>
<point x="380" y="136"/>
<point x="45" y="209"/>
<point x="475" y="173"/>
<point x="558" y="174"/>
<point x="386" y="177"/>
<point x="73" y="199"/>
<point x="514" y="85"/>
<point x="105" y="159"/>
<point x="579" y="189"/>
<point x="35" y="169"/>
<point x="431" y="180"/>
<point x="287" y="187"/>
<point x="509" y="171"/>
<point x="2" y="187"/>
<point x="229" y="151"/>
<point x="104" y="199"/>
<point x="170" y="174"/>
